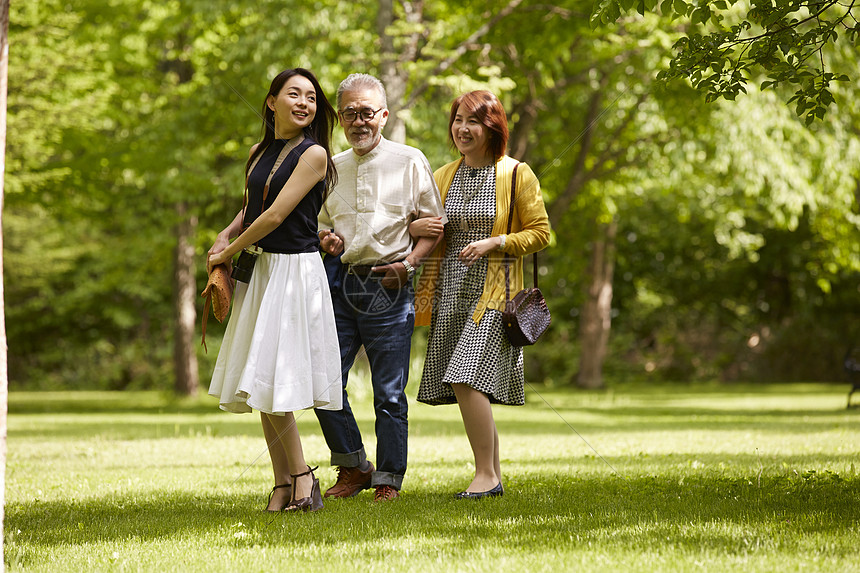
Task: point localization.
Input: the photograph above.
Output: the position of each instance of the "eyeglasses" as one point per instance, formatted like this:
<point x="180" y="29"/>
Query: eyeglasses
<point x="366" y="114"/>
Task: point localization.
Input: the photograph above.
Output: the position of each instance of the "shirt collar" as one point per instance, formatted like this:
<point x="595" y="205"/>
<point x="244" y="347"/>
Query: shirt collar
<point x="375" y="152"/>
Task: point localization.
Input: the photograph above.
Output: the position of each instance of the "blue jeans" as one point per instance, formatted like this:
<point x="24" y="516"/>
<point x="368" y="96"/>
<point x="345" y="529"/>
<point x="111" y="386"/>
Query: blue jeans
<point x="366" y="313"/>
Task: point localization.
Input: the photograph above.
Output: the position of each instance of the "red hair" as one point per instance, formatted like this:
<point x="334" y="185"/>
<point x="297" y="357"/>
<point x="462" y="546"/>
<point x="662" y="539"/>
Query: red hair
<point x="488" y="109"/>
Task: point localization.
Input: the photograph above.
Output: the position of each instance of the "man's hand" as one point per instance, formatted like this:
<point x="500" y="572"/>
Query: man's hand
<point x="331" y="242"/>
<point x="395" y="275"/>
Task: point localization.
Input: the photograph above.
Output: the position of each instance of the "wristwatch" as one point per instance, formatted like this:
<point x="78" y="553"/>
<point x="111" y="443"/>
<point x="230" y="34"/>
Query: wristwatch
<point x="410" y="270"/>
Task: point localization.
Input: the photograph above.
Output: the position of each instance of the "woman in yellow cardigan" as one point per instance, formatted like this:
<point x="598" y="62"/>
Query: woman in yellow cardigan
<point x="461" y="293"/>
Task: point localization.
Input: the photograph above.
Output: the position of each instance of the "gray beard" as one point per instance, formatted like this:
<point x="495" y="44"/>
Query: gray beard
<point x="366" y="141"/>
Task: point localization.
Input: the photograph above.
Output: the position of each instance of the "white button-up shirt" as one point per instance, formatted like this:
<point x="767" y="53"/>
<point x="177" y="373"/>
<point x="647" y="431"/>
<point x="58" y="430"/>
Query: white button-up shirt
<point x="376" y="197"/>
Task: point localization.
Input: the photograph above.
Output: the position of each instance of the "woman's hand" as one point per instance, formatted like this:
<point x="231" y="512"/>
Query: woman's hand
<point x="221" y="243"/>
<point x="216" y="259"/>
<point x="426" y="227"/>
<point x="331" y="243"/>
<point x="474" y="251"/>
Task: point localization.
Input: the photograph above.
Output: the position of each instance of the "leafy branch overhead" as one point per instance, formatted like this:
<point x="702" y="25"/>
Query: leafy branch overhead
<point x="730" y="43"/>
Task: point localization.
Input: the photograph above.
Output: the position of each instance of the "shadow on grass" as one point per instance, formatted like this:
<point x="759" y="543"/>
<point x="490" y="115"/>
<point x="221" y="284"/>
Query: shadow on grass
<point x="557" y="499"/>
<point x="87" y="402"/>
<point x="537" y="512"/>
<point x="117" y="424"/>
<point x="561" y="398"/>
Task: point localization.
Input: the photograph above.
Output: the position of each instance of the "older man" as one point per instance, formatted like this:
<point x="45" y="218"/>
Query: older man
<point x="382" y="187"/>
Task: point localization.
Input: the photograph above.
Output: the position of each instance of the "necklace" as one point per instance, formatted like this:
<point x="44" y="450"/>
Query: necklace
<point x="471" y="173"/>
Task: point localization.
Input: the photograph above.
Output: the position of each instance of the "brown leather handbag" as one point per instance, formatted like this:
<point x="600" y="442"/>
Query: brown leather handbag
<point x="526" y="316"/>
<point x="218" y="292"/>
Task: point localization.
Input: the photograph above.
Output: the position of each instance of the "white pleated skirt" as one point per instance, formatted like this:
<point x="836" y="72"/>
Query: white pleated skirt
<point x="280" y="350"/>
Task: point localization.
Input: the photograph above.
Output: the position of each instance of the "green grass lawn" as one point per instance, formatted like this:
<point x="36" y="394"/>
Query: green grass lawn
<point x="659" y="478"/>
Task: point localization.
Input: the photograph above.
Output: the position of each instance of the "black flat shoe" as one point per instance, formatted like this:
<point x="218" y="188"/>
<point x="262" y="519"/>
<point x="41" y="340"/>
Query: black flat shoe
<point x="495" y="492"/>
<point x="289" y="485"/>
<point x="314" y="501"/>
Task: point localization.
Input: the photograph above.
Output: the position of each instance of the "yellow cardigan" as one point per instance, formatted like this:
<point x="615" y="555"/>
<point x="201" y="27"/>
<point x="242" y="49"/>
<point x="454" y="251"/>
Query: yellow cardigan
<point x="529" y="234"/>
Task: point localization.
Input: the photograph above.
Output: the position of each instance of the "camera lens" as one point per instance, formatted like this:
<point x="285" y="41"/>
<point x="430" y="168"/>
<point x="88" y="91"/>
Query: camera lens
<point x="241" y="274"/>
<point x="244" y="266"/>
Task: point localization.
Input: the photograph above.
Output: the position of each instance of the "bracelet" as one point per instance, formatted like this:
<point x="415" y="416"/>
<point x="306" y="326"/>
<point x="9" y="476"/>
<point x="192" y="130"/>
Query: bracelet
<point x="502" y="241"/>
<point x="410" y="270"/>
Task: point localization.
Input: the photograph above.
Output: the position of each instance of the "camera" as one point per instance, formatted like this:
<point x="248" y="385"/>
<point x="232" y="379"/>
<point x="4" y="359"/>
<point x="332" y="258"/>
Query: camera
<point x="243" y="267"/>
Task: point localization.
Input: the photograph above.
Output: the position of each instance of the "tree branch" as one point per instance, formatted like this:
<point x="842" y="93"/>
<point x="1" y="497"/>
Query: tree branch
<point x="590" y="123"/>
<point x="458" y="52"/>
<point x="795" y="25"/>
<point x="580" y="177"/>
<point x="414" y="13"/>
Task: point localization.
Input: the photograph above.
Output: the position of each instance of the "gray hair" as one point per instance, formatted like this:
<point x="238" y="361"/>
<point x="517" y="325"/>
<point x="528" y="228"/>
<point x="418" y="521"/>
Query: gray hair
<point x="361" y="81"/>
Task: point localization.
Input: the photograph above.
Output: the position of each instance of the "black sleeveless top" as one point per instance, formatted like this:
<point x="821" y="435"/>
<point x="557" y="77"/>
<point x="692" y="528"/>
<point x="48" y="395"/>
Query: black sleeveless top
<point x="298" y="232"/>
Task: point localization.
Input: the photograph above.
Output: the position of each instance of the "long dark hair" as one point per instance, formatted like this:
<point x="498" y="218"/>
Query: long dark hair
<point x="320" y="129"/>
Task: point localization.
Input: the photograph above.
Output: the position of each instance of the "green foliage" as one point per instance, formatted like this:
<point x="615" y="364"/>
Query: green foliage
<point x="724" y="49"/>
<point x="76" y="320"/>
<point x="659" y="478"/>
<point x="729" y="263"/>
<point x="47" y="102"/>
<point x="160" y="111"/>
<point x="150" y="104"/>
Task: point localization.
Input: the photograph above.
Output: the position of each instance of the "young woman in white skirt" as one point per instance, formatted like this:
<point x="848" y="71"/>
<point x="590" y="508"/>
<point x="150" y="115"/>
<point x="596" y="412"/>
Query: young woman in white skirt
<point x="280" y="351"/>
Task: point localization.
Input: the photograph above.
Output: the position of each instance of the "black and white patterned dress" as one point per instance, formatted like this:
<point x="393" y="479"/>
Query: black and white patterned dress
<point x="458" y="350"/>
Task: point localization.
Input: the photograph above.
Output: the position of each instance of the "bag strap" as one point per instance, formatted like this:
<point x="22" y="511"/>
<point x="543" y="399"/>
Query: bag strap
<point x="508" y="257"/>
<point x="281" y="157"/>
<point x="208" y="294"/>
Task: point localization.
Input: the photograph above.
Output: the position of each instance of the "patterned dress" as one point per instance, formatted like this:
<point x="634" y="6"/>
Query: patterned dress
<point x="458" y="350"/>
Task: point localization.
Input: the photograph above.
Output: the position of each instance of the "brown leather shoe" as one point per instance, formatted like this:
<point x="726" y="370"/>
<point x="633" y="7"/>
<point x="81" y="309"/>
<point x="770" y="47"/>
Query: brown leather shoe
<point x="349" y="482"/>
<point x="385" y="493"/>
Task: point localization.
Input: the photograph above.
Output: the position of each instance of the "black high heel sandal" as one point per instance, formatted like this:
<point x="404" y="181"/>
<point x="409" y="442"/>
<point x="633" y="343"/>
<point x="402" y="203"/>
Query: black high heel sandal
<point x="289" y="485"/>
<point x="314" y="501"/>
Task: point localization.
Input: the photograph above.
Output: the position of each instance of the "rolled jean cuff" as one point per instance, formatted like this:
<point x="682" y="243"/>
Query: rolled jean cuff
<point x="386" y="478"/>
<point x="350" y="460"/>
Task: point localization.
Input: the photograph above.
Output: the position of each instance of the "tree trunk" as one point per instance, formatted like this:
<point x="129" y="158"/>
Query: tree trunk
<point x="596" y="312"/>
<point x="184" y="306"/>
<point x="395" y="54"/>
<point x="4" y="371"/>
<point x="392" y="79"/>
<point x="518" y="144"/>
<point x="857" y="192"/>
<point x="581" y="174"/>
